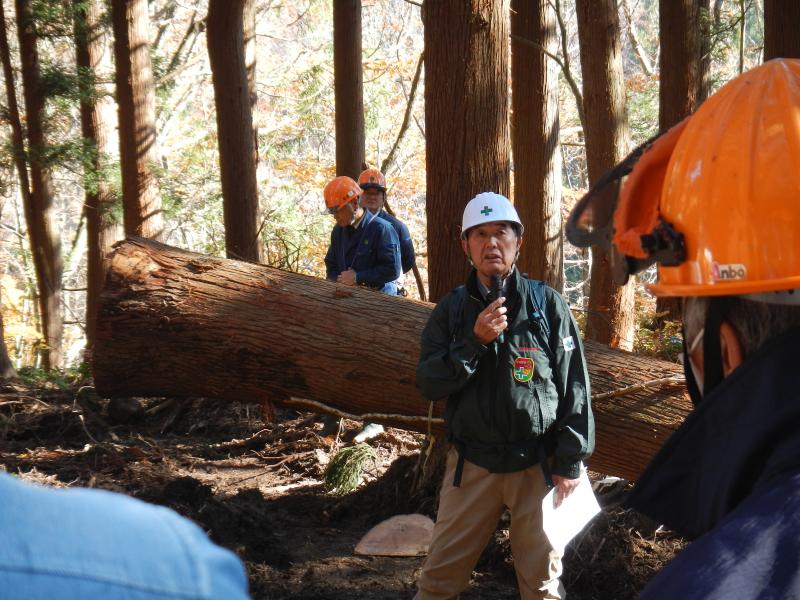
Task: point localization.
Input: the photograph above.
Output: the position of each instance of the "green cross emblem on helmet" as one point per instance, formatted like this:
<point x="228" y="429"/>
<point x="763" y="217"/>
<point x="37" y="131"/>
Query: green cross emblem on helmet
<point x="486" y="210"/>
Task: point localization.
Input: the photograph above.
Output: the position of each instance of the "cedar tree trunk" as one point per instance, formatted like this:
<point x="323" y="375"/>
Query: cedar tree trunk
<point x="175" y="323"/>
<point x="781" y="29"/>
<point x="92" y="52"/>
<point x="234" y="128"/>
<point x="466" y="123"/>
<point x="348" y="87"/>
<point x="136" y="101"/>
<point x="534" y="136"/>
<point x="39" y="211"/>
<point x="681" y="29"/>
<point x="611" y="318"/>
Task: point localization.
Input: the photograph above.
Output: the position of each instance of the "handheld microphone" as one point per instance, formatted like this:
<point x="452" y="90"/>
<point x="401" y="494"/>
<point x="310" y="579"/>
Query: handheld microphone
<point x="497" y="292"/>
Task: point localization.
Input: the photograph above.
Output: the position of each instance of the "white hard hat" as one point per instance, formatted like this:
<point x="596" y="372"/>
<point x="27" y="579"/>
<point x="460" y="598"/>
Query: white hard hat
<point x="488" y="207"/>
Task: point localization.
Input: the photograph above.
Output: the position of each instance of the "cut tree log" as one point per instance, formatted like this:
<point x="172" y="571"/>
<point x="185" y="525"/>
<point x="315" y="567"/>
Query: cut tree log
<point x="180" y="324"/>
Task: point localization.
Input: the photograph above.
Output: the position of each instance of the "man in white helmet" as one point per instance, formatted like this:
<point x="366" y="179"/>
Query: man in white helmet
<point x="505" y="352"/>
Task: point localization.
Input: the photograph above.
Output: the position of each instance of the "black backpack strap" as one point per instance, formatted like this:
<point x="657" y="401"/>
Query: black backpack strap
<point x="538" y="314"/>
<point x="456" y="316"/>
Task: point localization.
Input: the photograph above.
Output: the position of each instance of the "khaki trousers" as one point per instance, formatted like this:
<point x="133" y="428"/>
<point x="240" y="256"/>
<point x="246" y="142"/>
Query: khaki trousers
<point x="467" y="518"/>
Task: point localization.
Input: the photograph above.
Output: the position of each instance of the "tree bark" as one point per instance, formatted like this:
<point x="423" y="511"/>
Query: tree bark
<point x="611" y="318"/>
<point x="92" y="52"/>
<point x="175" y="323"/>
<point x="466" y="123"/>
<point x="40" y="212"/>
<point x="348" y="87"/>
<point x="535" y="140"/>
<point x="781" y="29"/>
<point x="681" y="80"/>
<point x="225" y="30"/>
<point x="136" y="103"/>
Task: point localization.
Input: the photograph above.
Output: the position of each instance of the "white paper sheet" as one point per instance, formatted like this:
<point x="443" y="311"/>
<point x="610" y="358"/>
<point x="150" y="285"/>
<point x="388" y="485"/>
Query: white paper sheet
<point x="563" y="523"/>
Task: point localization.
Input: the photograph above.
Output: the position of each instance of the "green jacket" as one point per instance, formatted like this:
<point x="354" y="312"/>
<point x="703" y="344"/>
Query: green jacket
<point x="498" y="420"/>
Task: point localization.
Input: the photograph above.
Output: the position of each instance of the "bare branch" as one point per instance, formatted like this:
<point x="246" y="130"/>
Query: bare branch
<point x="371" y="417"/>
<point x="644" y="60"/>
<point x="566" y="69"/>
<point x="389" y="160"/>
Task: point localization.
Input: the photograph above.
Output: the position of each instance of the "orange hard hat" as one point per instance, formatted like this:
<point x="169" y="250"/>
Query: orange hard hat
<point x="372" y="178"/>
<point x="341" y="190"/>
<point x="715" y="201"/>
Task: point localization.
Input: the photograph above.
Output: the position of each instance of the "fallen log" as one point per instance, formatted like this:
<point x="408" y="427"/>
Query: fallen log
<point x="180" y="324"/>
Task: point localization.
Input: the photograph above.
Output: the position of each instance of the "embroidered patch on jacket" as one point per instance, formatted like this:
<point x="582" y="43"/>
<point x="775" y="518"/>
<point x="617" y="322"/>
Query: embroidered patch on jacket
<point x="523" y="369"/>
<point x="569" y="343"/>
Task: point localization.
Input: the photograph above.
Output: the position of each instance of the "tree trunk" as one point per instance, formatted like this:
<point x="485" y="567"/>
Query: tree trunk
<point x="6" y="368"/>
<point x="681" y="81"/>
<point x="348" y="87"/>
<point x="781" y="29"/>
<point x="534" y="135"/>
<point x="225" y="30"/>
<point x="175" y="323"/>
<point x="39" y="212"/>
<point x="680" y="62"/>
<point x="136" y="101"/>
<point x="92" y="49"/>
<point x="466" y="123"/>
<point x="611" y="318"/>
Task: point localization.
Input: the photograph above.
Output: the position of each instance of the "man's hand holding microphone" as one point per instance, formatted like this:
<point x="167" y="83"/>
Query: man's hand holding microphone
<point x="492" y="321"/>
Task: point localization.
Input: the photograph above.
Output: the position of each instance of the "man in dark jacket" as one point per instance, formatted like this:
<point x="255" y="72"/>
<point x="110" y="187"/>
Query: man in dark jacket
<point x="505" y="352"/>
<point x="714" y="202"/>
<point x="364" y="249"/>
<point x="373" y="183"/>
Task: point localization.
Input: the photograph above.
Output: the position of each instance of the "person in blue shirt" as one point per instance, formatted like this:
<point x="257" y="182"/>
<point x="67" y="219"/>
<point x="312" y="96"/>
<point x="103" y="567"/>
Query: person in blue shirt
<point x="82" y="544"/>
<point x="364" y="249"/>
<point x="373" y="183"/>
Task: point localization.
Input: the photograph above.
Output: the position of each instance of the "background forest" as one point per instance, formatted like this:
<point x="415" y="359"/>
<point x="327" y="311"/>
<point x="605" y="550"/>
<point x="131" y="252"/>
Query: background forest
<point x="292" y="95"/>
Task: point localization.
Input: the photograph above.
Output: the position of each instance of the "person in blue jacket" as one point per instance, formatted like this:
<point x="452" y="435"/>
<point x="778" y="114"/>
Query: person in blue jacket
<point x="715" y="203"/>
<point x="364" y="249"/>
<point x="81" y="544"/>
<point x="373" y="183"/>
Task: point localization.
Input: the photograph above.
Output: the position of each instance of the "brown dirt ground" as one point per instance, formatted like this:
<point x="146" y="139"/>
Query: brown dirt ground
<point x="257" y="489"/>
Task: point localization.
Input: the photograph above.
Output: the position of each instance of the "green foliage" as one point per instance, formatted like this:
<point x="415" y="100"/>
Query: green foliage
<point x="53" y="19"/>
<point x="314" y="88"/>
<point x="665" y="342"/>
<point x="61" y="379"/>
<point x="642" y="95"/>
<point x="344" y="473"/>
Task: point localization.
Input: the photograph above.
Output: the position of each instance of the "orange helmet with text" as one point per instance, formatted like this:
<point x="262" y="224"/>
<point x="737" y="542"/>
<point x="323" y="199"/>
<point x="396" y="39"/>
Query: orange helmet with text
<point x="372" y="178"/>
<point x="341" y="190"/>
<point x="715" y="201"/>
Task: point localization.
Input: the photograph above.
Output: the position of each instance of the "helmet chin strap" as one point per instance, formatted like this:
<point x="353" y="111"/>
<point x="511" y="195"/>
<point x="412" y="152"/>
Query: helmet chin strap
<point x="712" y="352"/>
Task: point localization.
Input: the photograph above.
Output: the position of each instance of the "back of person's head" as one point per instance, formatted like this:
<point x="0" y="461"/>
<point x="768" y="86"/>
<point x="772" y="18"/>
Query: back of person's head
<point x="756" y="323"/>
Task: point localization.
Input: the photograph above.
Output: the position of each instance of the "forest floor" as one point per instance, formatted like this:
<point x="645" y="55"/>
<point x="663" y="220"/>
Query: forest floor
<point x="258" y="489"/>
